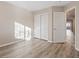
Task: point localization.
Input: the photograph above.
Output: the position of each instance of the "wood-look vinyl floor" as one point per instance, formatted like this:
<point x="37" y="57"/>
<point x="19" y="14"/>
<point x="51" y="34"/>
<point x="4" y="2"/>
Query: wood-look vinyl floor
<point x="36" y="48"/>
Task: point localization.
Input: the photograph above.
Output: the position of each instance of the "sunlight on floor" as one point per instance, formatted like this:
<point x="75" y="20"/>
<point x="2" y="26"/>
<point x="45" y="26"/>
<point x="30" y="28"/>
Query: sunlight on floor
<point x="68" y="32"/>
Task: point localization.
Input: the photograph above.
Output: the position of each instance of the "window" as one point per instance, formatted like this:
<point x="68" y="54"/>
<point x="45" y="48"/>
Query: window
<point x="27" y="33"/>
<point x="22" y="32"/>
<point x="19" y="31"/>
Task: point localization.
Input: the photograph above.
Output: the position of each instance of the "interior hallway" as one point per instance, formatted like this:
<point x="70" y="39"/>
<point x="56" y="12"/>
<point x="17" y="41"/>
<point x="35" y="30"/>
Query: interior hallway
<point x="36" y="47"/>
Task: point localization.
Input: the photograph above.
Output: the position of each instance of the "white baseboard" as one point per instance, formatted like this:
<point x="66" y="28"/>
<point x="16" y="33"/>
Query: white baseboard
<point x="6" y="44"/>
<point x="58" y="42"/>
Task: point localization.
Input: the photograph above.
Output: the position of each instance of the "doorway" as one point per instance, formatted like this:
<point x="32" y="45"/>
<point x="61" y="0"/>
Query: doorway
<point x="70" y="26"/>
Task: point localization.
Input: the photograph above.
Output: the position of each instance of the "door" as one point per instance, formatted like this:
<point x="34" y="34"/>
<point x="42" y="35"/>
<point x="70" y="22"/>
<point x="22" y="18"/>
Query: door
<point x="37" y="26"/>
<point x="59" y="28"/>
<point x="44" y="26"/>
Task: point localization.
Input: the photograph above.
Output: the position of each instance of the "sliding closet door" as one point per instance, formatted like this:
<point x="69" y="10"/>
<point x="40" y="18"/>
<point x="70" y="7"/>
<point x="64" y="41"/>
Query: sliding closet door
<point x="44" y="26"/>
<point x="37" y="26"/>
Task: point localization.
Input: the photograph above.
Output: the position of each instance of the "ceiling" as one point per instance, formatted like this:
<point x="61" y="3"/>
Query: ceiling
<point x="37" y="5"/>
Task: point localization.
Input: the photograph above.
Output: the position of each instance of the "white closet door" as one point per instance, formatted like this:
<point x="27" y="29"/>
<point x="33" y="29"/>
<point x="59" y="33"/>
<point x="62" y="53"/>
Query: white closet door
<point x="37" y="26"/>
<point x="59" y="27"/>
<point x="44" y="26"/>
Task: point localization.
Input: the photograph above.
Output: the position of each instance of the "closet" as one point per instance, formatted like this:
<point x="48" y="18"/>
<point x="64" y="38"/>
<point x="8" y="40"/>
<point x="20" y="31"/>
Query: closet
<point x="41" y="26"/>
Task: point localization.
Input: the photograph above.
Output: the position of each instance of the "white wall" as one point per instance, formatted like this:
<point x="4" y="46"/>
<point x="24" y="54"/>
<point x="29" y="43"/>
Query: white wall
<point x="8" y="15"/>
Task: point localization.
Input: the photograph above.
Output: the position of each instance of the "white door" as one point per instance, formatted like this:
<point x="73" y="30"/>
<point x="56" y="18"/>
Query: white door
<point x="37" y="26"/>
<point x="44" y="26"/>
<point x="59" y="28"/>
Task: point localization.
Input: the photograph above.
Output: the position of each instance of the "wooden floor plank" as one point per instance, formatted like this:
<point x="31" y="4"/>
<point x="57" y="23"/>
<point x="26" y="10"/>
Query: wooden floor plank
<point x="37" y="48"/>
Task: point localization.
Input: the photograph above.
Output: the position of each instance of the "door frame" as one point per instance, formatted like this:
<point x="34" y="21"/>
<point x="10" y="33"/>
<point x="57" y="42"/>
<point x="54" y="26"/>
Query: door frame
<point x="69" y="9"/>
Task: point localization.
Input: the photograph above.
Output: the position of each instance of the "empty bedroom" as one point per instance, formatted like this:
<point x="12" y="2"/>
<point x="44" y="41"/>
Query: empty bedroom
<point x="39" y="29"/>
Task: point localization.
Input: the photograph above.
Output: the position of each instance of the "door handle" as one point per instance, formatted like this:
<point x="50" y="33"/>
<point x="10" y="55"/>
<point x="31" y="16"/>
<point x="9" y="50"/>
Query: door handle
<point x="54" y="28"/>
